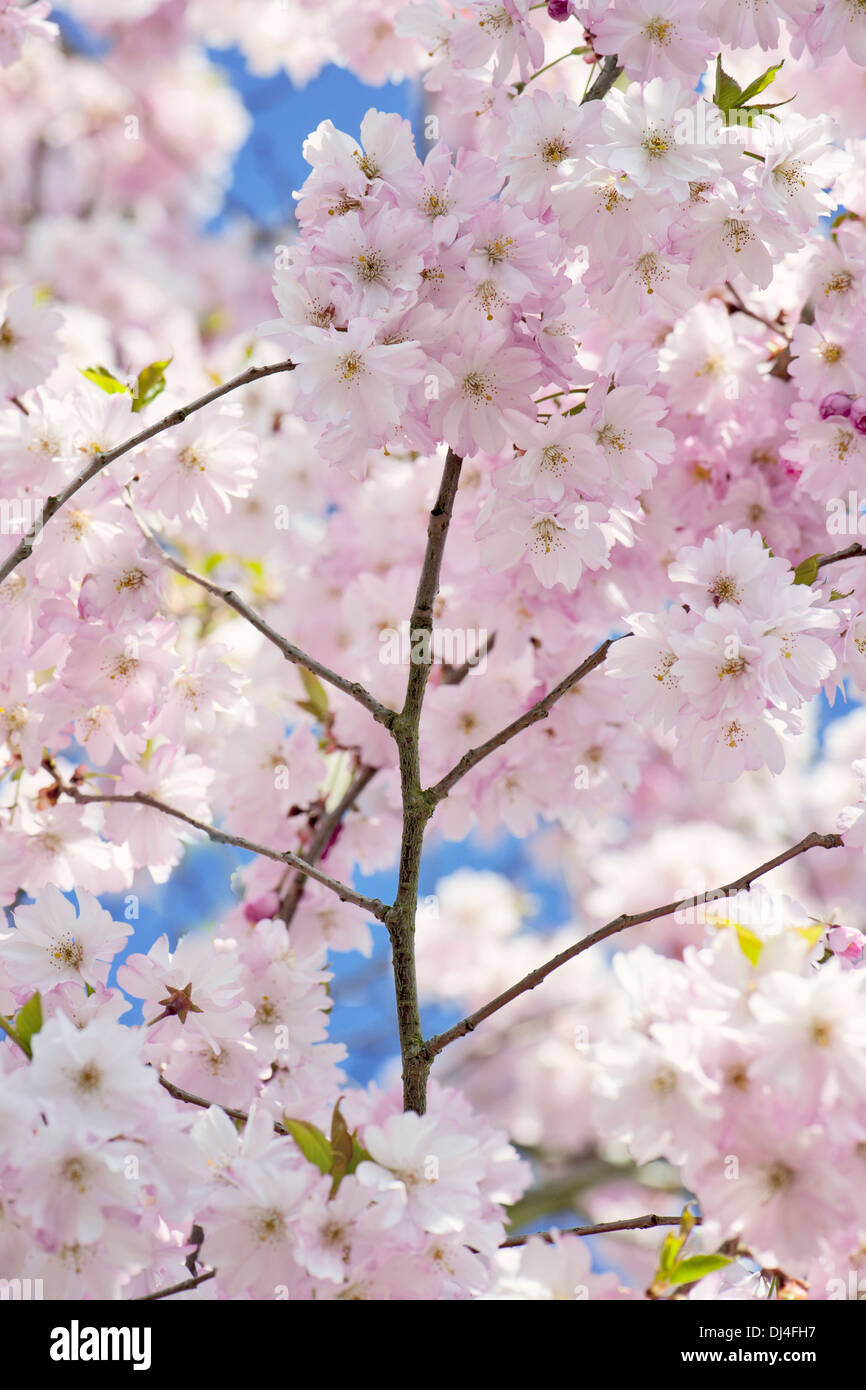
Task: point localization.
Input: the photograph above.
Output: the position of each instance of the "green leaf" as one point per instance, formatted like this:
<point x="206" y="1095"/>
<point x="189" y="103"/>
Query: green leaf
<point x="767" y="106"/>
<point x="348" y="1152"/>
<point x="341" y="1139"/>
<point x="29" y="1021"/>
<point x="671" y="1248"/>
<point x="106" y="380"/>
<point x="687" y="1221"/>
<point x="760" y="83"/>
<point x="312" y="1144"/>
<point x="150" y="384"/>
<point x="696" y="1267"/>
<point x="730" y="97"/>
<point x="835" y="595"/>
<point x="762" y="109"/>
<point x="807" y="570"/>
<point x="317" y="698"/>
<point x="359" y="1154"/>
<point x="728" y="93"/>
<point x="310" y="708"/>
<point x="341" y="1143"/>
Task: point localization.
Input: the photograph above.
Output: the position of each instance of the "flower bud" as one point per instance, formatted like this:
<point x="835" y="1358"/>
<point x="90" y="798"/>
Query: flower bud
<point x="837" y="403"/>
<point x="262" y="908"/>
<point x="858" y="414"/>
<point x="847" y="943"/>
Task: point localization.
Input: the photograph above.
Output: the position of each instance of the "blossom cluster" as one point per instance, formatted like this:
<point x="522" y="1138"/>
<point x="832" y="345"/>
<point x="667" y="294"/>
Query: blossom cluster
<point x="744" y="1066"/>
<point x="736" y="1061"/>
<point x="730" y="666"/>
<point x="105" y="1176"/>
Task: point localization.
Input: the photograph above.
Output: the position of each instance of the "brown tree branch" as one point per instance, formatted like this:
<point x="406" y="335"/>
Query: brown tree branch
<point x="781" y="367"/>
<point x="381" y="713"/>
<point x="343" y="891"/>
<point x="456" y="675"/>
<point x="603" y="80"/>
<point x="326" y="829"/>
<point x="189" y="1099"/>
<point x="417" y="805"/>
<point x="741" y="307"/>
<point x="852" y="552"/>
<point x="542" y="708"/>
<point x="421" y="622"/>
<point x="634" y="1223"/>
<point x="100" y="461"/>
<point x="435" y="1045"/>
<point x="182" y="1287"/>
<point x="539" y="710"/>
<point x="601" y="1228"/>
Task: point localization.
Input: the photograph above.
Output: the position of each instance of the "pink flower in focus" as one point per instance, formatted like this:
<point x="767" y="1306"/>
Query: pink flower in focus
<point x="52" y="943"/>
<point x="194" y="989"/>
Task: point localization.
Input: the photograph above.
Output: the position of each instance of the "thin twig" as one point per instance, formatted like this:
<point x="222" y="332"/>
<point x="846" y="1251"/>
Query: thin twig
<point x="433" y="1046"/>
<point x="743" y="308"/>
<point x="101" y="461"/>
<point x="539" y="710"/>
<point x="603" y="80"/>
<point x="346" y="894"/>
<point x="456" y="675"/>
<point x="325" y="831"/>
<point x="572" y="53"/>
<point x="542" y="708"/>
<point x="381" y="713"/>
<point x="189" y="1099"/>
<point x="182" y="1287"/>
<point x="601" y="1228"/>
<point x="635" y="1223"/>
<point x="781" y="367"/>
<point x="851" y="552"/>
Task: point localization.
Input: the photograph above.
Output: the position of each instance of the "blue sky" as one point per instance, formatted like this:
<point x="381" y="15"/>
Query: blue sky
<point x="270" y="165"/>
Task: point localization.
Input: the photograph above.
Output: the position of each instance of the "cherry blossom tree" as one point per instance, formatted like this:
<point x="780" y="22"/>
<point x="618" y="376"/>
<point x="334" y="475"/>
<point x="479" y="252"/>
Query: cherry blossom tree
<point x="535" y="510"/>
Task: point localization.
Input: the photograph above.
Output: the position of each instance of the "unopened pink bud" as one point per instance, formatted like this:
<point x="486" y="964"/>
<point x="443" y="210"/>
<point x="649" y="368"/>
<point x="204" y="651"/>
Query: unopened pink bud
<point x="858" y="414"/>
<point x="847" y="943"/>
<point x="261" y="909"/>
<point x="837" y="403"/>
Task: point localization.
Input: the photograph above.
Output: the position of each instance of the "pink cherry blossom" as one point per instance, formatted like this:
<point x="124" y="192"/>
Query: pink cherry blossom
<point x="53" y="943"/>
